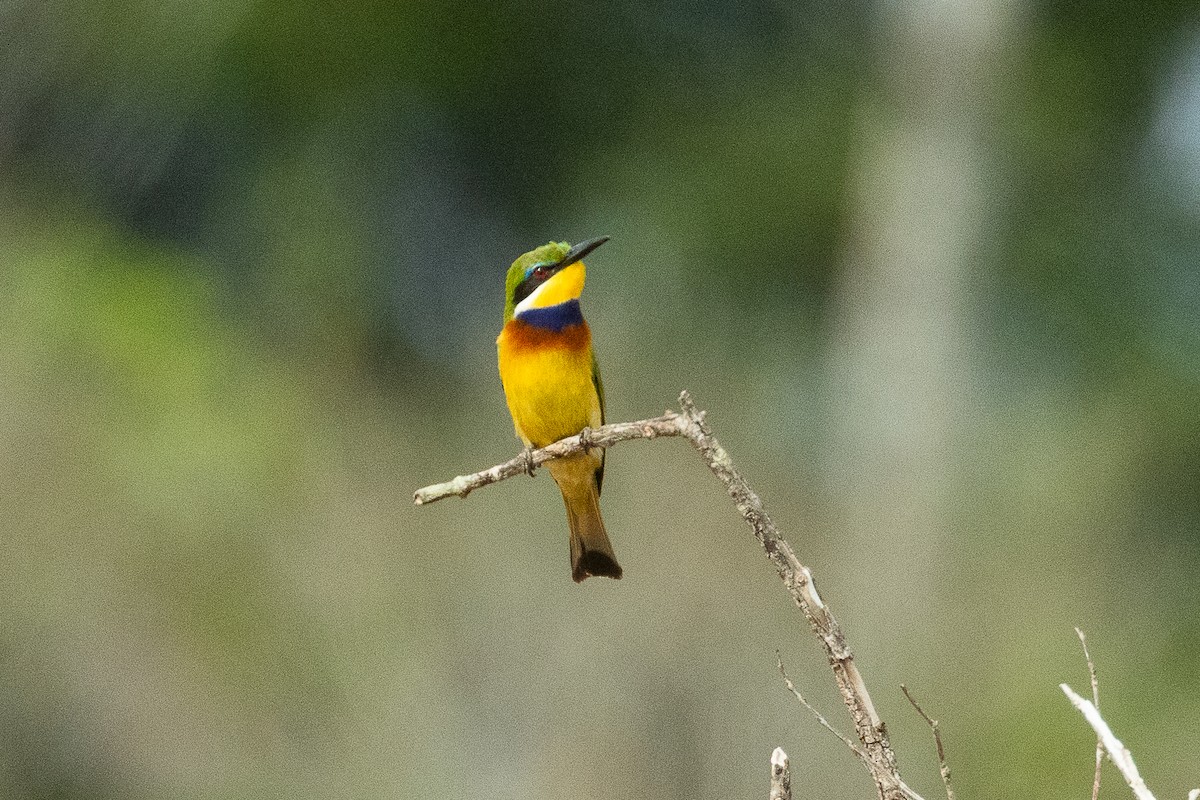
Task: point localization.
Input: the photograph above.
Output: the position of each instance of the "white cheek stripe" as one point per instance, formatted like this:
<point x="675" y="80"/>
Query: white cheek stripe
<point x="527" y="303"/>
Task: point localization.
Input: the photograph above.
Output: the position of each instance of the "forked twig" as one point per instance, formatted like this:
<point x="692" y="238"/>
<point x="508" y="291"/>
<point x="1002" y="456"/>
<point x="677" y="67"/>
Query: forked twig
<point x="1118" y="753"/>
<point x="791" y="687"/>
<point x="943" y="767"/>
<point x="1096" y="702"/>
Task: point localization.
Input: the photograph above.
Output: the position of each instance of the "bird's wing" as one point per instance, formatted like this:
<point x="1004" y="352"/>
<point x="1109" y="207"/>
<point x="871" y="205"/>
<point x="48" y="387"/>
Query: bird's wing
<point x="599" y="384"/>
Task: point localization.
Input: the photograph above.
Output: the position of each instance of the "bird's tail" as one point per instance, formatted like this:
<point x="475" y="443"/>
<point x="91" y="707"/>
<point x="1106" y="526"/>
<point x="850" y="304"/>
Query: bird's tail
<point x="591" y="551"/>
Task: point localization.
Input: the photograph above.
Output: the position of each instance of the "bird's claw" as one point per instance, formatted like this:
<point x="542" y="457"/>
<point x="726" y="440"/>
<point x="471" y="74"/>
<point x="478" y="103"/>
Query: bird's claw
<point x="585" y="440"/>
<point x="529" y="465"/>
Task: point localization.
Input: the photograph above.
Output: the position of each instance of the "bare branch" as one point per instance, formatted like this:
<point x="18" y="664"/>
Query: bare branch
<point x="1118" y="754"/>
<point x="670" y="424"/>
<point x="781" y="776"/>
<point x="943" y="767"/>
<point x="1096" y="702"/>
<point x="791" y="687"/>
<point x="880" y="758"/>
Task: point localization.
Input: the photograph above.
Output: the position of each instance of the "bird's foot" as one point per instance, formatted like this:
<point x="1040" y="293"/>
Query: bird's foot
<point x="585" y="439"/>
<point x="529" y="465"/>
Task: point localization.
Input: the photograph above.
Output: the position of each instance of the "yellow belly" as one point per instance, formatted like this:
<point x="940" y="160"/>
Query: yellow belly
<point x="549" y="389"/>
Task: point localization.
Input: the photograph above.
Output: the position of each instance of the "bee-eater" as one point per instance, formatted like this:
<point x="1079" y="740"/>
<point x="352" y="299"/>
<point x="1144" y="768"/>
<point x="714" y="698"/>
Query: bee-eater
<point x="553" y="386"/>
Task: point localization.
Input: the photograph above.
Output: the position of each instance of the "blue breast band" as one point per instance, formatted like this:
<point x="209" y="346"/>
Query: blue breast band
<point x="554" y="318"/>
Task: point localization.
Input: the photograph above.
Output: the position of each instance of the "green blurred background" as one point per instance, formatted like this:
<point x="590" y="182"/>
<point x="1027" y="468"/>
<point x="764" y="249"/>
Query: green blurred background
<point x="931" y="267"/>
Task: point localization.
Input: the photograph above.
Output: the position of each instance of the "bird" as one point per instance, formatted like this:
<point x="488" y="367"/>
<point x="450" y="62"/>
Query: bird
<point x="553" y="389"/>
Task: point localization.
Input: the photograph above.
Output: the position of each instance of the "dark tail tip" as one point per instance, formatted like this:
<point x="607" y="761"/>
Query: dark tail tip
<point x="594" y="562"/>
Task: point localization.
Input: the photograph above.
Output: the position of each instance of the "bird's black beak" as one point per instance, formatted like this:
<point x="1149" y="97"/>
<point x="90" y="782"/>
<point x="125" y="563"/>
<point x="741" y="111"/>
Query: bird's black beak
<point x="580" y="250"/>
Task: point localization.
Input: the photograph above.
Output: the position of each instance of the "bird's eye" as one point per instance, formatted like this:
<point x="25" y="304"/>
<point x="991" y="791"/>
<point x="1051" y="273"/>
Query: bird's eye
<point x="540" y="272"/>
